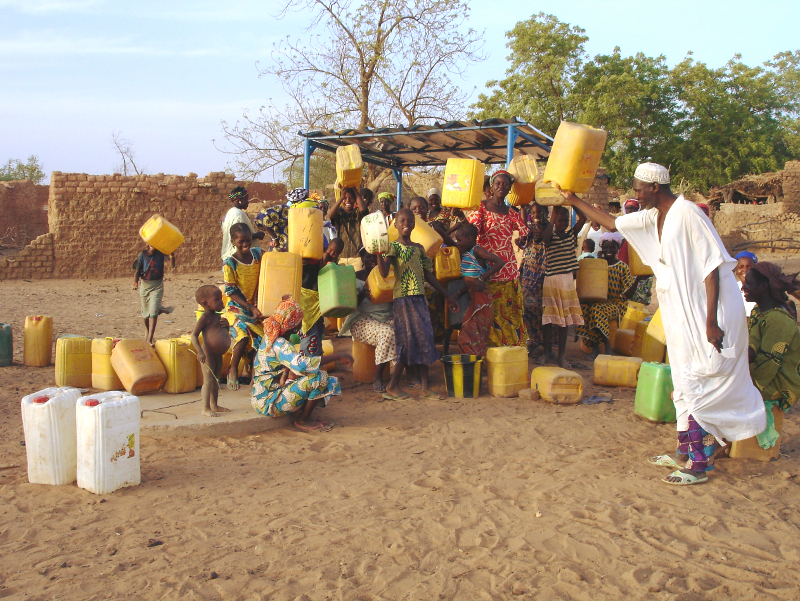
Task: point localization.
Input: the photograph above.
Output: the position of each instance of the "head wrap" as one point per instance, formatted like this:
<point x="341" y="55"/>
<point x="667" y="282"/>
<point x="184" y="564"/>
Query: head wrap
<point x="433" y="191"/>
<point x="297" y="195"/>
<point x="652" y="173"/>
<point x="746" y="254"/>
<point x="287" y="316"/>
<point x="501" y="172"/>
<point x="238" y="193"/>
<point x="630" y="203"/>
<point x="704" y="207"/>
<point x="612" y="237"/>
<point x="779" y="284"/>
<point x="314" y="196"/>
<point x="388" y="195"/>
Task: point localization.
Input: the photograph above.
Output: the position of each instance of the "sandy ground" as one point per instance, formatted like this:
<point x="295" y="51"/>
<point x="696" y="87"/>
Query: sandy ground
<point x="472" y="499"/>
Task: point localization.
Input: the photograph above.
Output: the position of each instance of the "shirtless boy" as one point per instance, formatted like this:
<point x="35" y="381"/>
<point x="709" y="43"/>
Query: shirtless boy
<point x="216" y="342"/>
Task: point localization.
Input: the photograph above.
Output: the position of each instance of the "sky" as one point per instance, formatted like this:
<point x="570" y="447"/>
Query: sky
<point x="164" y="75"/>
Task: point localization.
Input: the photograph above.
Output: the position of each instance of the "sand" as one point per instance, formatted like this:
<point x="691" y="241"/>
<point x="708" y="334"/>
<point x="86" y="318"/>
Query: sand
<point x="471" y="499"/>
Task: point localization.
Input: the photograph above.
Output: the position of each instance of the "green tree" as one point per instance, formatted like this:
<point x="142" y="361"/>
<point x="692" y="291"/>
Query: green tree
<point x="546" y="57"/>
<point x="321" y="174"/>
<point x="15" y="169"/>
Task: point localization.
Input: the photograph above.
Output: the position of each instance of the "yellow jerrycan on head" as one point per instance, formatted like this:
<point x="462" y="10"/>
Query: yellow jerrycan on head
<point x="349" y="166"/>
<point x="161" y="234"/>
<point x="463" y="184"/>
<point x="526" y="173"/>
<point x="305" y="232"/>
<point x="575" y="157"/>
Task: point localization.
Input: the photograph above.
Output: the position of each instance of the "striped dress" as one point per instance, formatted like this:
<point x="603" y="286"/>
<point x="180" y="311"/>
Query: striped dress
<point x="559" y="297"/>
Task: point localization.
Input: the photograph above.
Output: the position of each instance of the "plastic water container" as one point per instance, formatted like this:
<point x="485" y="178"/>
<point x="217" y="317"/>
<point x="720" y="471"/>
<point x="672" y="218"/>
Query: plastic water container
<point x="462" y="375"/>
<point x="337" y="290"/>
<point x="656" y="328"/>
<point x="38" y="337"/>
<point x="108" y="441"/>
<point x="654" y="393"/>
<point x="305" y="232"/>
<point x="750" y="449"/>
<point x="423" y="234"/>
<point x="198" y="367"/>
<point x="635" y="263"/>
<point x="349" y="166"/>
<point x="48" y="420"/>
<point x="364" y="362"/>
<point x="74" y="362"/>
<point x="281" y="273"/>
<point x="179" y="363"/>
<point x="381" y="289"/>
<point x="575" y="156"/>
<point x="634" y="313"/>
<point x="447" y="264"/>
<point x="592" y="281"/>
<point x="646" y="346"/>
<point x="546" y="195"/>
<point x="463" y="184"/>
<point x="137" y="366"/>
<point x="6" y="345"/>
<point x="526" y="173"/>
<point x="161" y="234"/>
<point x="623" y="342"/>
<point x="638" y="338"/>
<point x="557" y="385"/>
<point x="103" y="375"/>
<point x="454" y="319"/>
<point x="507" y="370"/>
<point x="375" y="233"/>
<point x="611" y="370"/>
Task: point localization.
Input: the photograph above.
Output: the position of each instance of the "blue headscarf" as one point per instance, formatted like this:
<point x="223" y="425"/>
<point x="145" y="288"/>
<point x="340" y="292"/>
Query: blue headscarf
<point x="746" y="254"/>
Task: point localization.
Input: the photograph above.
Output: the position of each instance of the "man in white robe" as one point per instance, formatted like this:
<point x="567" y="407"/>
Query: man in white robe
<point x="240" y="200"/>
<point x="703" y="314"/>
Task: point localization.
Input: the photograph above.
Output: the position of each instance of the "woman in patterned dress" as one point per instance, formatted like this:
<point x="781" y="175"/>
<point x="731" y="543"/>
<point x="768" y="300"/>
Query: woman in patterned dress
<point x="597" y="316"/>
<point x="284" y="380"/>
<point x="496" y="223"/>
<point x="531" y="274"/>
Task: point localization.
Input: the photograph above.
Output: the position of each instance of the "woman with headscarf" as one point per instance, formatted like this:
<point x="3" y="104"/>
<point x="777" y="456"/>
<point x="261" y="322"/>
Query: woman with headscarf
<point x="386" y="202"/>
<point x="275" y="220"/>
<point x="774" y="352"/>
<point x="284" y="380"/>
<point x="744" y="261"/>
<point x="597" y="316"/>
<point x="496" y="223"/>
<point x="449" y="217"/>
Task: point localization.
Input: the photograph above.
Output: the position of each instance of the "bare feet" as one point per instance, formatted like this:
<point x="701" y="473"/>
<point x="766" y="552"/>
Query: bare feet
<point x="219" y="409"/>
<point x="313" y="427"/>
<point x="209" y="413"/>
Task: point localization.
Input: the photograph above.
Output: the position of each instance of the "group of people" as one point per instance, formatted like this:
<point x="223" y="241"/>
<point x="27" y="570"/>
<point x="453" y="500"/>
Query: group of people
<point x="728" y="372"/>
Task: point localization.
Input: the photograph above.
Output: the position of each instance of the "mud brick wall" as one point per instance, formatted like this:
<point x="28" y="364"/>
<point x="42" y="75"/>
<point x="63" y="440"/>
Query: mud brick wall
<point x="791" y="187"/>
<point x="23" y="210"/>
<point x="95" y="220"/>
<point x="34" y="262"/>
<point x="598" y="194"/>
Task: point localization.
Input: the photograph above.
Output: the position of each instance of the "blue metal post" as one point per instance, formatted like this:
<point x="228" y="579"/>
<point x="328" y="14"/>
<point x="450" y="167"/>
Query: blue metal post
<point x="512" y="139"/>
<point x="308" y="151"/>
<point x="398" y="175"/>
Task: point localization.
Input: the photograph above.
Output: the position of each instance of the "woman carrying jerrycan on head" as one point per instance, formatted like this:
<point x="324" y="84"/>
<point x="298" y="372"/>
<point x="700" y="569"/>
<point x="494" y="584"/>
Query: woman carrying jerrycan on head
<point x="412" y="322"/>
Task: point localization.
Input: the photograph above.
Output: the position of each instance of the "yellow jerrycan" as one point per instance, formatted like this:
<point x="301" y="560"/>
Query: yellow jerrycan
<point x="623" y="342"/>
<point x="507" y="370"/>
<point x="634" y="313"/>
<point x="305" y="232"/>
<point x="750" y="449"/>
<point x="161" y="234"/>
<point x="447" y="265"/>
<point x="526" y="174"/>
<point x="38" y="338"/>
<point x="656" y="328"/>
<point x="349" y="166"/>
<point x="381" y="289"/>
<point x="557" y="385"/>
<point x="651" y="350"/>
<point x="281" y="273"/>
<point x="610" y="370"/>
<point x="546" y="195"/>
<point x="179" y="363"/>
<point x="635" y="263"/>
<point x="575" y="157"/>
<point x="592" y="281"/>
<point x="463" y="184"/>
<point x="137" y="366"/>
<point x="422" y="234"/>
<point x="74" y="362"/>
<point x="103" y="375"/>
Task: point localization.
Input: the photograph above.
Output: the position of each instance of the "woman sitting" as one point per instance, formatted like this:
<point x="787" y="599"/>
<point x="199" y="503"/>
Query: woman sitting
<point x="597" y="316"/>
<point x="774" y="350"/>
<point x="285" y="381"/>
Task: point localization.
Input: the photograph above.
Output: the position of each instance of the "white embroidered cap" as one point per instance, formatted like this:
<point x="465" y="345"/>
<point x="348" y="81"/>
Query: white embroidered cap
<point x="652" y="173"/>
<point x="433" y="191"/>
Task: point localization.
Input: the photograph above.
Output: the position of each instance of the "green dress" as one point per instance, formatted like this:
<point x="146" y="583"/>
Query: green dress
<point x="775" y="338"/>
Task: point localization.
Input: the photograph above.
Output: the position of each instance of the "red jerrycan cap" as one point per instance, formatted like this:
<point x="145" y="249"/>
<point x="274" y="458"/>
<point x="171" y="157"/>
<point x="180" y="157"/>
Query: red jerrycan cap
<point x="92" y="403"/>
<point x="41" y="399"/>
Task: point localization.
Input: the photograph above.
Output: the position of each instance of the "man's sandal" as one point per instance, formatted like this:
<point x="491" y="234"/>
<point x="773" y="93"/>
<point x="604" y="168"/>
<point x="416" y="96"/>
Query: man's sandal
<point x="685" y="479"/>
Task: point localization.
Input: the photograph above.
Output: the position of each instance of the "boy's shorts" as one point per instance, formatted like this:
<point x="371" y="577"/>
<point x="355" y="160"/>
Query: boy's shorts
<point x="151" y="292"/>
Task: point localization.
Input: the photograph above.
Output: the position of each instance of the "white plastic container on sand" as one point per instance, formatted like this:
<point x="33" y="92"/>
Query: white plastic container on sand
<point x="48" y="419"/>
<point x="108" y="441"/>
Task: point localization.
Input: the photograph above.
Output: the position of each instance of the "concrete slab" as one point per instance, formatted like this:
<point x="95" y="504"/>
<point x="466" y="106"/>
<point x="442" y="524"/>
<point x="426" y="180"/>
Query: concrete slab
<point x="179" y="415"/>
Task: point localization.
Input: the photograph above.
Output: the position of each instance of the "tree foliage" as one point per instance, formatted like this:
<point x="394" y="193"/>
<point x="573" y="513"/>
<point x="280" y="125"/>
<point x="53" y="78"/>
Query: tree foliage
<point x="15" y="169"/>
<point x="710" y="125"/>
<point x="374" y="64"/>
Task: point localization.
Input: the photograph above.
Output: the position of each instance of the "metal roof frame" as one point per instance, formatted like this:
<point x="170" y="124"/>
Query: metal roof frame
<point x="493" y="141"/>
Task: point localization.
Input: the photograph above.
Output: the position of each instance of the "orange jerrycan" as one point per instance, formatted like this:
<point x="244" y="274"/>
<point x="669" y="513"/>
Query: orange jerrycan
<point x="635" y="263"/>
<point x="463" y="184"/>
<point x="305" y="232"/>
<point x="381" y="289"/>
<point x="592" y="281"/>
<point x="137" y="366"/>
<point x="38" y="348"/>
<point x="526" y="174"/>
<point x="447" y="265"/>
<point x="750" y="449"/>
<point x="161" y="234"/>
<point x="103" y="375"/>
<point x="281" y="273"/>
<point x="575" y="157"/>
<point x="349" y="166"/>
<point x="423" y="234"/>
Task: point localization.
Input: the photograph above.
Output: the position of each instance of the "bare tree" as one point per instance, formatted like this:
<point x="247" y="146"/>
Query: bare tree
<point x="126" y="153"/>
<point x="378" y="64"/>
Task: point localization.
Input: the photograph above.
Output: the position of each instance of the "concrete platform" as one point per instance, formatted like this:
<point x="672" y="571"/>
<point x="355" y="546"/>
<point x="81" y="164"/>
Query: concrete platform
<point x="179" y="415"/>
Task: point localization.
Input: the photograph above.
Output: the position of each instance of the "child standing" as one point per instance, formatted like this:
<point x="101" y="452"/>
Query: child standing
<point x="149" y="267"/>
<point x="313" y="328"/>
<point x="531" y="275"/>
<point x="412" y="322"/>
<point x="241" y="272"/>
<point x="477" y="266"/>
<point x="346" y="215"/>
<point x="559" y="297"/>
<point x="216" y="342"/>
